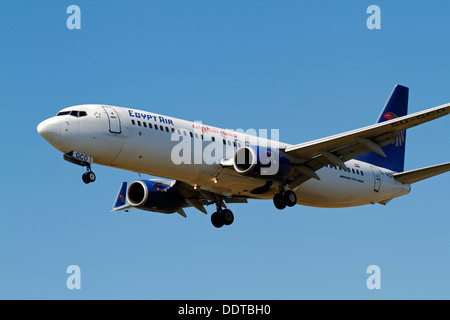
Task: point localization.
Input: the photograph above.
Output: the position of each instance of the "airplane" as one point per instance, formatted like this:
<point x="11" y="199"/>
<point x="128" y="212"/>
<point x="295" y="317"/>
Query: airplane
<point x="208" y="165"/>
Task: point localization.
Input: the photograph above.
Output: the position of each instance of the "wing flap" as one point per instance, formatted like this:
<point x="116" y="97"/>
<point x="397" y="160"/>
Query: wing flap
<point x="198" y="197"/>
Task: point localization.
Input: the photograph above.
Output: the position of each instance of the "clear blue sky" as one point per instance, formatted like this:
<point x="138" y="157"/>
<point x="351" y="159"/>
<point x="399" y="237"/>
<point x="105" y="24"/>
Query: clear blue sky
<point x="308" y="68"/>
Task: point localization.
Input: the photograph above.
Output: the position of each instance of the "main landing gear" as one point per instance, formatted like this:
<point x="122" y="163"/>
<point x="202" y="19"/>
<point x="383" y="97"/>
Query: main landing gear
<point x="222" y="217"/>
<point x="285" y="198"/>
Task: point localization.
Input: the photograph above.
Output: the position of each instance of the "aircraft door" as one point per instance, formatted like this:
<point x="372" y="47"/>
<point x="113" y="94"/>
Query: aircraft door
<point x="377" y="179"/>
<point x="114" y="121"/>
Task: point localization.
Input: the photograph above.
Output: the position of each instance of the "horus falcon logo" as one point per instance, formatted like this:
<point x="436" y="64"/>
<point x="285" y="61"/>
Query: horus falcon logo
<point x="401" y="134"/>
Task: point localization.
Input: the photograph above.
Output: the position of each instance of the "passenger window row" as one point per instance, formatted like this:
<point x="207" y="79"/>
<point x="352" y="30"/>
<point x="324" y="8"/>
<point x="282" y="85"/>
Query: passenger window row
<point x="355" y="171"/>
<point x="156" y="127"/>
<point x="235" y="143"/>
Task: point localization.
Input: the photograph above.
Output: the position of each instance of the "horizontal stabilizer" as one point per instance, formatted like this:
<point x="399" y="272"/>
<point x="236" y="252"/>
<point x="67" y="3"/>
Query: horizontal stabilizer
<point x="421" y="174"/>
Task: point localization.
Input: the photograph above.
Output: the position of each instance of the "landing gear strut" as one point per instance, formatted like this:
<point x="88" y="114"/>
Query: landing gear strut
<point x="285" y="198"/>
<point x="222" y="217"/>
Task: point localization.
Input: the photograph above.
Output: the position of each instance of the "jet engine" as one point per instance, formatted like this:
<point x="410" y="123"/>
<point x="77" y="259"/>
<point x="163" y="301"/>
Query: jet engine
<point x="260" y="161"/>
<point x="154" y="196"/>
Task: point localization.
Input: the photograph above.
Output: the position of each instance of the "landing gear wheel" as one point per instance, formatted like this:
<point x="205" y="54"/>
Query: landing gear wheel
<point x="91" y="176"/>
<point x="227" y="217"/>
<point x="88" y="177"/>
<point x="279" y="201"/>
<point x="85" y="178"/>
<point x="290" y="198"/>
<point x="217" y="220"/>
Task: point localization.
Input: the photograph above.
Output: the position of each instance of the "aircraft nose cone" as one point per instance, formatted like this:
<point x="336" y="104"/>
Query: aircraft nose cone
<point x="50" y="130"/>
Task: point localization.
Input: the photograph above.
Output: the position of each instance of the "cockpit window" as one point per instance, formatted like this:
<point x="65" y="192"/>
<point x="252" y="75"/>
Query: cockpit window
<point x="74" y="113"/>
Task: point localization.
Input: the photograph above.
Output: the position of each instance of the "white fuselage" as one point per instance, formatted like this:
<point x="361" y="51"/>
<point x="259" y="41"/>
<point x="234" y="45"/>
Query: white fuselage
<point x="149" y="143"/>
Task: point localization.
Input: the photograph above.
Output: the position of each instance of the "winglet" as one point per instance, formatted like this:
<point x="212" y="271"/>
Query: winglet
<point x="121" y="197"/>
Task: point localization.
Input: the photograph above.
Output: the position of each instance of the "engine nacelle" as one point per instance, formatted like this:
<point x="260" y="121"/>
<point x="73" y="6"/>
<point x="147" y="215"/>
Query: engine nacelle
<point x="154" y="196"/>
<point x="259" y="161"/>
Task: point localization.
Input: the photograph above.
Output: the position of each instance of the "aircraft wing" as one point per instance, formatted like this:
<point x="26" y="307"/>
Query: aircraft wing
<point x="199" y="197"/>
<point x="194" y="197"/>
<point x="342" y="147"/>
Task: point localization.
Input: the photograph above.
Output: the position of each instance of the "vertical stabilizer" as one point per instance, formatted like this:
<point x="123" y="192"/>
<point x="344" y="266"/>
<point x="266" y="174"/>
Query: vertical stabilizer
<point x="396" y="106"/>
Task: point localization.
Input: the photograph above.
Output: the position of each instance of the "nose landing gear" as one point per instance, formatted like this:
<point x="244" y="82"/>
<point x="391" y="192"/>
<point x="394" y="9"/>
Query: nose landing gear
<point x="82" y="160"/>
<point x="89" y="176"/>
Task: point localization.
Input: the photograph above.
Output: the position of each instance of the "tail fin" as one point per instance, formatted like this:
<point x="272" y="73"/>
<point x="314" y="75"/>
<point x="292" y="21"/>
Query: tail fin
<point x="396" y="106"/>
